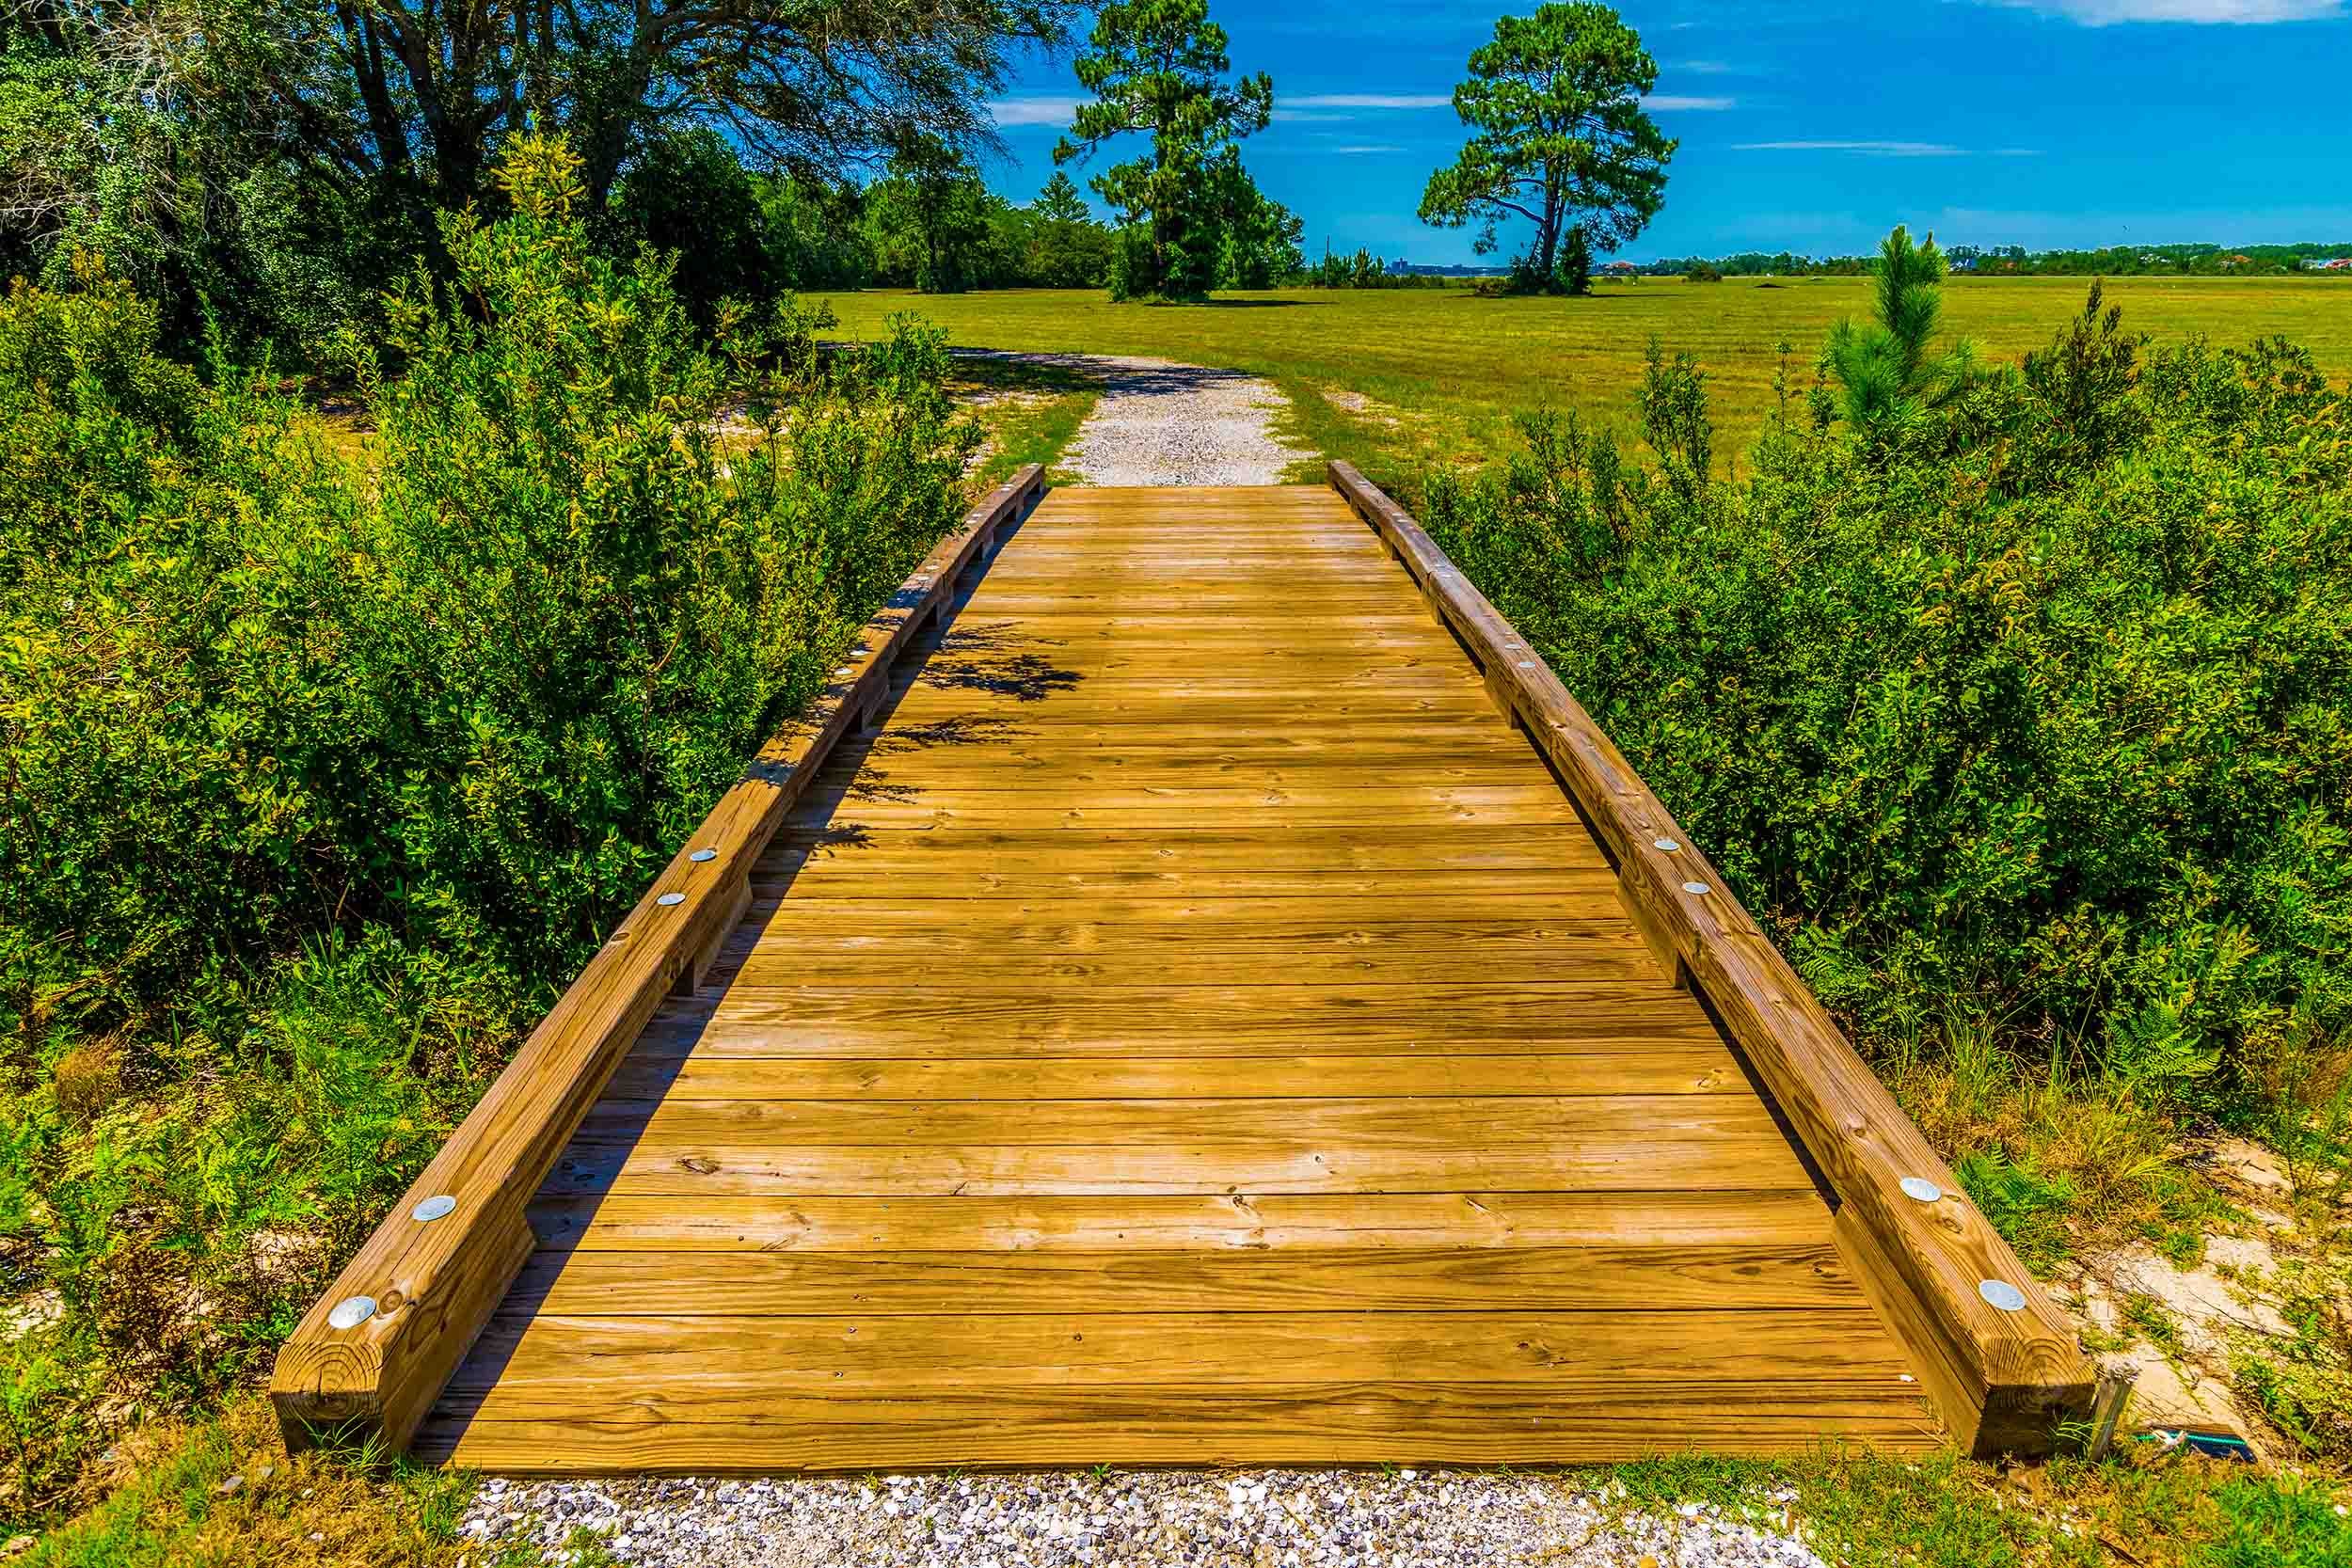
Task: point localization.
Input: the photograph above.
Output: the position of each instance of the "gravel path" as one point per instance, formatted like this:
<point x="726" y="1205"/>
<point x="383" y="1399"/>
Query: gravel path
<point x="1250" y="1519"/>
<point x="1159" y="422"/>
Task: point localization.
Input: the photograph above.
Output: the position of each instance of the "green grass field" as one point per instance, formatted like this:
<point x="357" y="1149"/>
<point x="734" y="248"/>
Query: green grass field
<point x="1446" y="371"/>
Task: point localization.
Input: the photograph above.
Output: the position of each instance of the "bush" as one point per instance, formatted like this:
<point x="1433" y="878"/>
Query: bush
<point x="321" y="780"/>
<point x="2048" y="737"/>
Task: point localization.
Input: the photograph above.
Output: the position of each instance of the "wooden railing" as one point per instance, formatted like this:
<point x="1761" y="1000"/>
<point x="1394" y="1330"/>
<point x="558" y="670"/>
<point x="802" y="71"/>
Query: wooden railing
<point x="1997" y="1356"/>
<point x="368" y="1361"/>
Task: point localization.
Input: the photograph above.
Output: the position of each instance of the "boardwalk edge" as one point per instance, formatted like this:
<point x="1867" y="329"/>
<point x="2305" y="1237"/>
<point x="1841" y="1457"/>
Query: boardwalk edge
<point x="1999" y="1359"/>
<point x="368" y="1359"/>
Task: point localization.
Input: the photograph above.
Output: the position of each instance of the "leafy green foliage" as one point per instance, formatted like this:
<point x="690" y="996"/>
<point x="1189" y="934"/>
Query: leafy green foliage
<point x="321" y="780"/>
<point x="1159" y="67"/>
<point x="1559" y="137"/>
<point x="2040" y="718"/>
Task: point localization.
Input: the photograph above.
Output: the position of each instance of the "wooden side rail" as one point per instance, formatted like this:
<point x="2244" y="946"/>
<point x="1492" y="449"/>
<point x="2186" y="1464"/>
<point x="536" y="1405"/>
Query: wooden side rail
<point x="368" y="1361"/>
<point x="1997" y="1356"/>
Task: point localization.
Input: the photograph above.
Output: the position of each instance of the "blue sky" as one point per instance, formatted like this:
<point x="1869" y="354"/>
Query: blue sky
<point x="1816" y="127"/>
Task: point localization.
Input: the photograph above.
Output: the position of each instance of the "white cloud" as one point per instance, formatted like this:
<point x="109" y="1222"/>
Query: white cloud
<point x="1887" y="149"/>
<point x="1365" y="147"/>
<point x="1669" y="101"/>
<point x="1034" y="111"/>
<point x="1370" y="101"/>
<point x="1309" y="117"/>
<point x="1867" y="148"/>
<point x="1706" y="68"/>
<point x="2105" y="14"/>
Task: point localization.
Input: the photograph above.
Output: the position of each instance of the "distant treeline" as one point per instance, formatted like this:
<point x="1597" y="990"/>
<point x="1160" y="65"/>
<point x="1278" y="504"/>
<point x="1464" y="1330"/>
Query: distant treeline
<point x="2112" y="262"/>
<point x="929" y="223"/>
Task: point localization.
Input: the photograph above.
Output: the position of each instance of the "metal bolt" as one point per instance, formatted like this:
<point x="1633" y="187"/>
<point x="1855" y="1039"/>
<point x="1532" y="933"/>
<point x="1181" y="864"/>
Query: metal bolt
<point x="669" y="898"/>
<point x="846" y="669"/>
<point x="351" y="1313"/>
<point x="1527" y="664"/>
<point x="701" y="855"/>
<point x="1668" y="845"/>
<point x="434" y="1208"/>
<point x="1921" y="1188"/>
<point x="1699" y="887"/>
<point x="2001" y="1294"/>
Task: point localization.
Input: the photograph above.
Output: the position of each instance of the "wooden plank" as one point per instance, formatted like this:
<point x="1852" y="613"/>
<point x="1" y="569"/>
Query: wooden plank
<point x="2013" y="1372"/>
<point x="432" y="1284"/>
<point x="1637" y="1070"/>
<point x="1377" y="1424"/>
<point x="1360" y="1127"/>
<point x="843" y="889"/>
<point x="1299" y="848"/>
<point x="1275" y="1424"/>
<point x="586" y="1366"/>
<point x="1019" y="1018"/>
<point x="1575" y="1161"/>
<point x="1125" y="1280"/>
<point x="1256" y="1224"/>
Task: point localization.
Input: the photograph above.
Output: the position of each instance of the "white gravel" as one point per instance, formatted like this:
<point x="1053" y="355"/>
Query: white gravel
<point x="1244" y="1519"/>
<point x="1159" y="422"/>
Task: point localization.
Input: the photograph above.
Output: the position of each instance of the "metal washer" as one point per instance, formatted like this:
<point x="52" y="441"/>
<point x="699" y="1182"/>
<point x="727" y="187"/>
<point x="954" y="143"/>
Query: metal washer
<point x="1921" y="1188"/>
<point x="351" y="1313"/>
<point x="439" y="1206"/>
<point x="2001" y="1294"/>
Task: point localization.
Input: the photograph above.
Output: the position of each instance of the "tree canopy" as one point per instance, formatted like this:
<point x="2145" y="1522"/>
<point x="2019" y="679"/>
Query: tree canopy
<point x="1160" y="68"/>
<point x="1560" y="136"/>
<point x="203" y="142"/>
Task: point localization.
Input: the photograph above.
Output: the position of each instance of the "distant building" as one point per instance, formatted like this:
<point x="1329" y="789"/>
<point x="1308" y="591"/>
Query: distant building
<point x="2332" y="263"/>
<point x="1620" y="269"/>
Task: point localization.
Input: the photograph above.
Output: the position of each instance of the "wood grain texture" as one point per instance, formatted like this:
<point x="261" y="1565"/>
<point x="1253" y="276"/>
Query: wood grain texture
<point x="1189" y="1027"/>
<point x="2008" y="1377"/>
<point x="434" y="1285"/>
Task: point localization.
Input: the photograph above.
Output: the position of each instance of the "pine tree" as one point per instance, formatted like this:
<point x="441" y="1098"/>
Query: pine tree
<point x="1159" y="66"/>
<point x="1576" y="263"/>
<point x="1560" y="136"/>
<point x="1885" y="368"/>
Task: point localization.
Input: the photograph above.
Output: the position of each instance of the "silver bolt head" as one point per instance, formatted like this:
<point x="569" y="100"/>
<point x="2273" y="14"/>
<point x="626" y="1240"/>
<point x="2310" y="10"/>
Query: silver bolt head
<point x="701" y="855"/>
<point x="1669" y="845"/>
<point x="351" y="1313"/>
<point x="668" y="899"/>
<point x="439" y="1206"/>
<point x="2001" y="1294"/>
<point x="1919" y="1187"/>
<point x="1698" y="889"/>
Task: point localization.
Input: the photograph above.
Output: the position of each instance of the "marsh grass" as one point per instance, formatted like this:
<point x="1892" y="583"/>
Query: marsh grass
<point x="1469" y="366"/>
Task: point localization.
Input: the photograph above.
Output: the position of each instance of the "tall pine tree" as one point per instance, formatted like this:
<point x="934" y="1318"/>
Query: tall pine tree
<point x="1160" y="68"/>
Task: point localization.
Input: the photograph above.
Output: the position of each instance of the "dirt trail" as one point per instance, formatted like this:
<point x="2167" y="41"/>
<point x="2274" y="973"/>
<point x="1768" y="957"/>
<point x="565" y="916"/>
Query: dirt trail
<point x="1159" y="422"/>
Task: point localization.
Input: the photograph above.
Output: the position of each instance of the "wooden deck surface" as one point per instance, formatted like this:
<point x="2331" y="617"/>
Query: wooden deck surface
<point x="1194" y="1028"/>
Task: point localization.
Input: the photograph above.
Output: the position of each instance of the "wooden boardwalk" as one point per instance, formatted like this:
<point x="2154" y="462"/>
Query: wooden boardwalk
<point x="1192" y="1024"/>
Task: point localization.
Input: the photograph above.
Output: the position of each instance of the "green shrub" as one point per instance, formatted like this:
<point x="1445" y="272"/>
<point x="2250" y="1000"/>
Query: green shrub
<point x="321" y="779"/>
<point x="2054" y="730"/>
